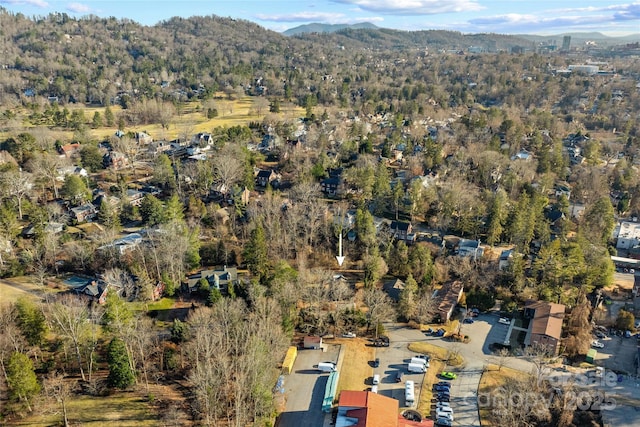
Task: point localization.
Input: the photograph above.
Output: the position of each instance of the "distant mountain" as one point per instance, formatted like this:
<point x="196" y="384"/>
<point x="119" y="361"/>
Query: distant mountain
<point x="327" y="28"/>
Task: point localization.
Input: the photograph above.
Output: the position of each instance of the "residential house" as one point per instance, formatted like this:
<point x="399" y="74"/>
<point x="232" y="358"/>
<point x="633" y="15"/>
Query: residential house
<point x="143" y="138"/>
<point x="124" y="244"/>
<point x="68" y="150"/>
<point x="84" y="213"/>
<point x="522" y="155"/>
<point x="266" y="177"/>
<point x="449" y="295"/>
<point x="470" y="248"/>
<point x="368" y="409"/>
<point x="135" y="197"/>
<point x="158" y="147"/>
<point x="331" y="186"/>
<point x="220" y="278"/>
<point x="563" y="190"/>
<point x="545" y="326"/>
<point x="402" y="231"/>
<point x="115" y="160"/>
<point x="97" y="289"/>
<point x="576" y="210"/>
<point x="70" y="170"/>
<point x="394" y="288"/>
<point x="506" y="258"/>
<point x="556" y="218"/>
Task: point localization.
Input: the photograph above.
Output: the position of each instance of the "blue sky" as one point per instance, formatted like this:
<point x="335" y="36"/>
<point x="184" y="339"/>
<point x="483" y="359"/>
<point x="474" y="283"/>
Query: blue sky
<point x="468" y="16"/>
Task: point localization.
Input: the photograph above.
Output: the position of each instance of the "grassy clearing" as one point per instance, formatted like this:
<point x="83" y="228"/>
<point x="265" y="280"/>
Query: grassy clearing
<point x="492" y="379"/>
<point x="189" y="119"/>
<point x="426" y="393"/>
<point x="121" y="409"/>
<point x="436" y="352"/>
<point x="355" y="365"/>
<point x="15" y="287"/>
<point x="10" y="294"/>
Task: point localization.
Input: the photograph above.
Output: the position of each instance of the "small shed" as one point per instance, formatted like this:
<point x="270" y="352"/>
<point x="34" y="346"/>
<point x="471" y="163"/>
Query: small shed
<point x="591" y="355"/>
<point x="312" y="342"/>
<point x="289" y="359"/>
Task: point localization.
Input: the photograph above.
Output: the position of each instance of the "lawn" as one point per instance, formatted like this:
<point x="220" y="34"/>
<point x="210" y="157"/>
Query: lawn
<point x="15" y="287"/>
<point x="121" y="409"/>
<point x="355" y="364"/>
<point x="436" y="352"/>
<point x="492" y="379"/>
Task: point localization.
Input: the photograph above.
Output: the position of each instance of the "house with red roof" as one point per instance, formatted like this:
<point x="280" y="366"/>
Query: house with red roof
<point x="367" y="409"/>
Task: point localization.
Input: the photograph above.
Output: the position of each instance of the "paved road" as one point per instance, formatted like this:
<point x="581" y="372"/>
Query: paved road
<point x="393" y="359"/>
<point x="483" y="332"/>
<point x="305" y="389"/>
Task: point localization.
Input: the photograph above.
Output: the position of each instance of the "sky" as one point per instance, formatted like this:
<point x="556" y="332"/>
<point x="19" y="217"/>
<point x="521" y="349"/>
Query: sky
<point x="542" y="17"/>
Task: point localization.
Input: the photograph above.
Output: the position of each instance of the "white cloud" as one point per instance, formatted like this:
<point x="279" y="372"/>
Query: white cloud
<point x="78" y="8"/>
<point x="523" y="23"/>
<point x="564" y="19"/>
<point x="414" y="7"/>
<point x="37" y="3"/>
<point x="303" y="17"/>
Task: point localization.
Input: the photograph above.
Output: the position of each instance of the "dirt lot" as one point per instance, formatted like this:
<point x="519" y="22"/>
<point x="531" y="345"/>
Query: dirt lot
<point x="356" y="371"/>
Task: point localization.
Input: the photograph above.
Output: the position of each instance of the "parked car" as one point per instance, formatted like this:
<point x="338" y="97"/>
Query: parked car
<point x="348" y="335"/>
<point x="441" y="388"/>
<point x="600" y="335"/>
<point x="443" y="397"/>
<point x="445" y="383"/>
<point x="443" y="422"/>
<point x="376" y="362"/>
<point x="444" y="415"/>
<point x="448" y="375"/>
<point x="505" y="321"/>
<point x="399" y="376"/>
<point x="440" y="405"/>
<point x="440" y="332"/>
<point x="376" y="379"/>
<point x="467" y="320"/>
<point x="597" y="344"/>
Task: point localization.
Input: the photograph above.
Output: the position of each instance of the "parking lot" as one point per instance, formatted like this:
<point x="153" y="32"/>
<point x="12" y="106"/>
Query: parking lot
<point x="305" y="388"/>
<point x="618" y="354"/>
<point x="392" y="360"/>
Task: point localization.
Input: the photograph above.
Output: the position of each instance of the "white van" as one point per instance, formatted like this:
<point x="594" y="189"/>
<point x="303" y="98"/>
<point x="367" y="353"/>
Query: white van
<point x="419" y="360"/>
<point x="326" y="367"/>
<point x="409" y="396"/>
<point x="376" y="379"/>
<point x="374" y="389"/>
<point x="416" y="367"/>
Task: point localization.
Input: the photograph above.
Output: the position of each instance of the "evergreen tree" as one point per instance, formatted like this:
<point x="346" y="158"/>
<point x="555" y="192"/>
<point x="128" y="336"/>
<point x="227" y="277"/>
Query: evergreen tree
<point x="96" y="122"/>
<point x="21" y="378"/>
<point x="75" y="189"/>
<point x="408" y="298"/>
<point x="497" y="217"/>
<point x="152" y="210"/>
<point x="108" y="216"/>
<point x="120" y="373"/>
<point x="255" y="253"/>
<point x="31" y="321"/>
<point x="174" y="210"/>
<point x="109" y="117"/>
